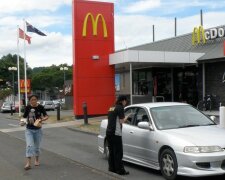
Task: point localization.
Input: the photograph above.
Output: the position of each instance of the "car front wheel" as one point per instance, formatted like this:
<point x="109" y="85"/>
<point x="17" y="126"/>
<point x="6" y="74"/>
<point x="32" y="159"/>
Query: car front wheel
<point x="168" y="164"/>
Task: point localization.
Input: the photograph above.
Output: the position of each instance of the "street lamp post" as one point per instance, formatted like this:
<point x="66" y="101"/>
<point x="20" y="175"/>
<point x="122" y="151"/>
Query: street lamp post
<point x="13" y="69"/>
<point x="64" y="69"/>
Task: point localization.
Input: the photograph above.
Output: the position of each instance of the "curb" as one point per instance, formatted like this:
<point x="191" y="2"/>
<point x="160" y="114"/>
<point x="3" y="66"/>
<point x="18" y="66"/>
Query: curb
<point x="82" y="131"/>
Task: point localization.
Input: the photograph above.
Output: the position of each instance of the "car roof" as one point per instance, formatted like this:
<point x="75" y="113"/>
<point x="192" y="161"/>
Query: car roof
<point x="157" y="104"/>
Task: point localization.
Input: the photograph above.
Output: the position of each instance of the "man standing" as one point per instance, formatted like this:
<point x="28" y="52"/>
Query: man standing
<point x="116" y="118"/>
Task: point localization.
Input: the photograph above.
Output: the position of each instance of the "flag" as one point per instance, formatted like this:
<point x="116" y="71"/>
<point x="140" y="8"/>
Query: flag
<point x="21" y="35"/>
<point x="31" y="28"/>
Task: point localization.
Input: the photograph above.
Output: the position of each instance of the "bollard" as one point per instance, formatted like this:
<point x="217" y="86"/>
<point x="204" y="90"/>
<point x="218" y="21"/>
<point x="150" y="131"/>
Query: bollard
<point x="11" y="109"/>
<point x="222" y="116"/>
<point x="58" y="111"/>
<point x="85" y="113"/>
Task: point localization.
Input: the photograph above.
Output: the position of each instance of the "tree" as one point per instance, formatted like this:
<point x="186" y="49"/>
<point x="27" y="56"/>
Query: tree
<point x="42" y="78"/>
<point x="10" y="61"/>
<point x="4" y="93"/>
<point x="6" y="76"/>
<point x="49" y="78"/>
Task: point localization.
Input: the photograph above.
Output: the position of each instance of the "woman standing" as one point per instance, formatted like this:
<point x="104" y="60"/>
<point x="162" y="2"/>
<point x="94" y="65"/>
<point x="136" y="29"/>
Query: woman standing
<point x="35" y="114"/>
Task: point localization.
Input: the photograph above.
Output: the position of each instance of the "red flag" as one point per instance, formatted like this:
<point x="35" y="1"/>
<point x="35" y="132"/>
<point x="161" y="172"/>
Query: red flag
<point x="21" y="35"/>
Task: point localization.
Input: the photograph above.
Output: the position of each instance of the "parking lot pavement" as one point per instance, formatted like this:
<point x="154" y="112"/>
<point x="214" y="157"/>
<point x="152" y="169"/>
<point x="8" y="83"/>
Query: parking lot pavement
<point x="53" y="166"/>
<point x="212" y="113"/>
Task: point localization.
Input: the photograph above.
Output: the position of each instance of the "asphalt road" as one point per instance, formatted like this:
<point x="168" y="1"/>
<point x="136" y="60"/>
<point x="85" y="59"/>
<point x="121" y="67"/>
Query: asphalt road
<point x="53" y="166"/>
<point x="74" y="148"/>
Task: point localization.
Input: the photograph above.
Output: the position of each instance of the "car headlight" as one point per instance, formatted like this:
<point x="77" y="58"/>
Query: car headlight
<point x="202" y="149"/>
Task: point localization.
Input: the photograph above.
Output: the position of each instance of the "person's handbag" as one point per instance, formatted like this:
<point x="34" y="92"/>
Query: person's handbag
<point x="37" y="123"/>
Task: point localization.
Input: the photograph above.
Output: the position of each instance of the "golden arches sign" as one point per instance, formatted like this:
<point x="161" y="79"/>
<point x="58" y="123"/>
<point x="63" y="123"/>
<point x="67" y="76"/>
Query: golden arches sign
<point x="198" y="35"/>
<point x="94" y="25"/>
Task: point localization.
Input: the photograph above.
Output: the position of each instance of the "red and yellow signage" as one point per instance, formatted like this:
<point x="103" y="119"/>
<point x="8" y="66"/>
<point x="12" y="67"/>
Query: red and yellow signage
<point x="22" y="86"/>
<point x="94" y="22"/>
<point x="201" y="36"/>
<point x="198" y="35"/>
<point x="93" y="79"/>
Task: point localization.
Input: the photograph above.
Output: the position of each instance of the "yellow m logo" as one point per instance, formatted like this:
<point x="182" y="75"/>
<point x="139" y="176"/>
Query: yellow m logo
<point x="94" y="25"/>
<point x="198" y="34"/>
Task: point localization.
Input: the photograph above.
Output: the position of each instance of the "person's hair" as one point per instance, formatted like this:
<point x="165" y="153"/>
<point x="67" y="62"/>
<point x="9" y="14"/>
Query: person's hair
<point x="120" y="99"/>
<point x="33" y="95"/>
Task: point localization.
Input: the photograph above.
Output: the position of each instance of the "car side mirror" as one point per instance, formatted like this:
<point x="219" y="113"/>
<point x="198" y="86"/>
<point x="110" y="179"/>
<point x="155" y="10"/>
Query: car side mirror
<point x="145" y="125"/>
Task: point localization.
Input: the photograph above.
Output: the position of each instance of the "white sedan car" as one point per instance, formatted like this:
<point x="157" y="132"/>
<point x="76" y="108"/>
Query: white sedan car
<point x="172" y="137"/>
<point x="6" y="107"/>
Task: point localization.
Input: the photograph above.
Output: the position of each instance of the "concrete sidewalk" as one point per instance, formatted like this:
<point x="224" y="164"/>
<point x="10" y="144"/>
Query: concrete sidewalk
<point x="212" y="113"/>
<point x="75" y="124"/>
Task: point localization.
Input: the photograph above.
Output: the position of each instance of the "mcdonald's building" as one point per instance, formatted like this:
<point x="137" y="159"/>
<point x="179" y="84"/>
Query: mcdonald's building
<point x="183" y="68"/>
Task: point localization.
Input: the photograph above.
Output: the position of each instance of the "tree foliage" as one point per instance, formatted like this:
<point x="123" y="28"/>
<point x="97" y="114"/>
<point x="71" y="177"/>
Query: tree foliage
<point x="42" y="78"/>
<point x="50" y="77"/>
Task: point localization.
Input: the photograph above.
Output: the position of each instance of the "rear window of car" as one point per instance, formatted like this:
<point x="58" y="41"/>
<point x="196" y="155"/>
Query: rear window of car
<point x="6" y="104"/>
<point x="49" y="103"/>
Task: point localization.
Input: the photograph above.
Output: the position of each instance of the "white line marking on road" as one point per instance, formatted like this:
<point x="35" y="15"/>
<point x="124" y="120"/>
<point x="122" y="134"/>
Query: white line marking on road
<point x="14" y="125"/>
<point x="45" y="126"/>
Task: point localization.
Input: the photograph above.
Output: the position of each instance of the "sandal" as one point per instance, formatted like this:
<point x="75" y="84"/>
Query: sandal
<point x="37" y="164"/>
<point x="27" y="168"/>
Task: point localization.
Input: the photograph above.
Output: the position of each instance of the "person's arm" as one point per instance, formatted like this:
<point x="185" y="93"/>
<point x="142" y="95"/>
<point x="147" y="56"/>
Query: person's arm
<point x="26" y="112"/>
<point x="43" y="111"/>
<point x="121" y="115"/>
<point x="125" y="119"/>
<point x="44" y="118"/>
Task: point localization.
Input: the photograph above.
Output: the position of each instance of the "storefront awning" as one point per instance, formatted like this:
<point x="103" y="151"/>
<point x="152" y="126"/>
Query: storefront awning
<point x="140" y="56"/>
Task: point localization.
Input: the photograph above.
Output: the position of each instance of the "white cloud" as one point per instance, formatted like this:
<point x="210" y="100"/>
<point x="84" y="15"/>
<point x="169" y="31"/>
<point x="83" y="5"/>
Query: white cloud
<point x="141" y="6"/>
<point x="55" y="48"/>
<point x="130" y="30"/>
<point x="137" y="29"/>
<point x="12" y="6"/>
<point x="52" y="49"/>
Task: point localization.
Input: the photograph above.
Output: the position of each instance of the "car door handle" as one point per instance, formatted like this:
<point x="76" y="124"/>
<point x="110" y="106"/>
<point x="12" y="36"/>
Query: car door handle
<point x="131" y="132"/>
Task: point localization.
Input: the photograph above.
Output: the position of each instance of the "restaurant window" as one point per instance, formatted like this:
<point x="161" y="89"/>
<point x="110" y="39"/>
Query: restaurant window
<point x="142" y="82"/>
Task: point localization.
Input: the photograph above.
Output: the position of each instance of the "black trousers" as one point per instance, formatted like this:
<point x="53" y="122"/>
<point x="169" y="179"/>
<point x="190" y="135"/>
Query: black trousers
<point x="115" y="153"/>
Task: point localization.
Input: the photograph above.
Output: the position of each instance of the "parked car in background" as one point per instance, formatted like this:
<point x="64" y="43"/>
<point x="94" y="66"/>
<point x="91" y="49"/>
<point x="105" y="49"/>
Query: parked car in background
<point x="6" y="107"/>
<point x="174" y="137"/>
<point x="57" y="103"/>
<point x="48" y="105"/>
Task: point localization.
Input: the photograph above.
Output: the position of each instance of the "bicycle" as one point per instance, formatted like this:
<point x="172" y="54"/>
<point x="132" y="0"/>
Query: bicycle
<point x="210" y="102"/>
<point x="201" y="105"/>
<point x="205" y="104"/>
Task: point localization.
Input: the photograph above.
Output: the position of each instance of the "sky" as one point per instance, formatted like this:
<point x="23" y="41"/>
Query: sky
<point x="133" y="25"/>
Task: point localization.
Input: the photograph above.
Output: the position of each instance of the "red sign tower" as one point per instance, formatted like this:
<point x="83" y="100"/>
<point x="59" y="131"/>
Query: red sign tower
<point x="93" y="41"/>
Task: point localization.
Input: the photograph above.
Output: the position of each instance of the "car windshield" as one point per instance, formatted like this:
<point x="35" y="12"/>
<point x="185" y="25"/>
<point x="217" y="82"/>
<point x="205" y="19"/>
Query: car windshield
<point x="172" y="117"/>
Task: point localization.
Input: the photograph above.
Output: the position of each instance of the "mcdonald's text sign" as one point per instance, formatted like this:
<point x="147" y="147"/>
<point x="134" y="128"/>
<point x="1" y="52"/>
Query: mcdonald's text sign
<point x="200" y="35"/>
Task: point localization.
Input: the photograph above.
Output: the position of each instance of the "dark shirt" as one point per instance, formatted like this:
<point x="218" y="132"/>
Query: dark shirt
<point x="114" y="115"/>
<point x="37" y="113"/>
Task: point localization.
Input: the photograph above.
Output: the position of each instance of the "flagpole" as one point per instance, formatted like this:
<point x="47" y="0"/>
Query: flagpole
<point x="25" y="63"/>
<point x="18" y="71"/>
